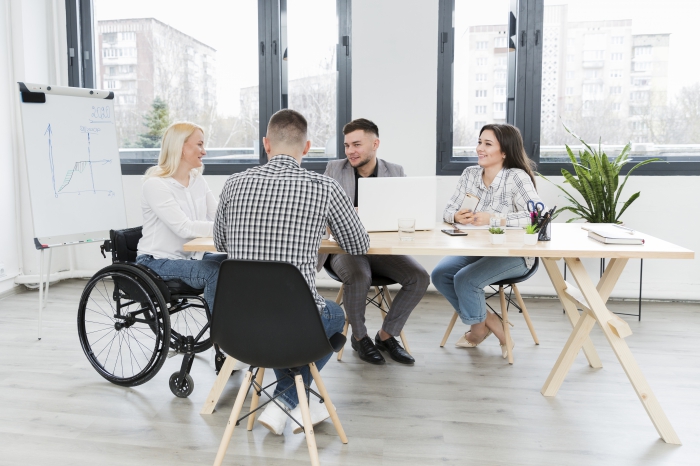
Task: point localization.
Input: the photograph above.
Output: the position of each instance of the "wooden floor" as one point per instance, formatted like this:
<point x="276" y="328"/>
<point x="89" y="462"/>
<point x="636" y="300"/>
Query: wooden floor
<point x="455" y="406"/>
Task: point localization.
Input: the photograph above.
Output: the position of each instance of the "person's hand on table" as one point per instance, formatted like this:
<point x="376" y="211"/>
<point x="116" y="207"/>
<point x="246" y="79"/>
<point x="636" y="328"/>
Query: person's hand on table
<point x="467" y="217"/>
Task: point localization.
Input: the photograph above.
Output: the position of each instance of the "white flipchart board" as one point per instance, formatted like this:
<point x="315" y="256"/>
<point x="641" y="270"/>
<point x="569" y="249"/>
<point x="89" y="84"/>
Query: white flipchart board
<point x="72" y="157"/>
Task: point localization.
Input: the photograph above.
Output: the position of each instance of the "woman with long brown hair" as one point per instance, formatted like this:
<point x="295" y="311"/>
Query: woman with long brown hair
<point x="504" y="183"/>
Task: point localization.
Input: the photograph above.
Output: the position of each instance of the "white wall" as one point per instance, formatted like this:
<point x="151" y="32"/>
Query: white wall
<point x="9" y="257"/>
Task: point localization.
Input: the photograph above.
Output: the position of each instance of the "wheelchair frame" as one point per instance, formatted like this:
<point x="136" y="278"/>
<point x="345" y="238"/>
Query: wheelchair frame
<point x="144" y="307"/>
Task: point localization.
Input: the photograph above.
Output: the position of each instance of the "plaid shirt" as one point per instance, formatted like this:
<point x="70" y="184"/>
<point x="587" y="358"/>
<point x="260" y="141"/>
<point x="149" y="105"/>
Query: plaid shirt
<point x="279" y="211"/>
<point x="508" y="194"/>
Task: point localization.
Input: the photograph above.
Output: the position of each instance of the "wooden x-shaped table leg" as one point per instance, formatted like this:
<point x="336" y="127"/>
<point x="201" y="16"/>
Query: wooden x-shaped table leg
<point x="615" y="331"/>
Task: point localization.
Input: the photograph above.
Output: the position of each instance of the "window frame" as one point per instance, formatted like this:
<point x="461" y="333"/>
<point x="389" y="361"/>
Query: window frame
<point x="272" y="73"/>
<point x="524" y="89"/>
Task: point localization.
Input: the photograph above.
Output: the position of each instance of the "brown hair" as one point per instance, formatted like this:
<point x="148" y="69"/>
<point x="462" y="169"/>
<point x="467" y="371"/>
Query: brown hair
<point x="288" y="127"/>
<point x="361" y="123"/>
<point x="511" y="143"/>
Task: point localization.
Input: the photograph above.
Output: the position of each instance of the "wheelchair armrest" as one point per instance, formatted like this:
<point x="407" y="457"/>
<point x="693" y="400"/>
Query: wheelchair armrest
<point x="337" y="341"/>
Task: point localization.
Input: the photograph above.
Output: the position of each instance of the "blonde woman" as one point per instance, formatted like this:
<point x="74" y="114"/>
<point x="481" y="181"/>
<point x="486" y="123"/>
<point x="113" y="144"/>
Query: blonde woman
<point x="178" y="206"/>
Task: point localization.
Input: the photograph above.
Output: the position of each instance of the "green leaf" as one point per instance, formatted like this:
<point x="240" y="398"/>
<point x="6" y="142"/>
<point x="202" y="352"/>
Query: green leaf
<point x="632" y="198"/>
<point x="643" y="162"/>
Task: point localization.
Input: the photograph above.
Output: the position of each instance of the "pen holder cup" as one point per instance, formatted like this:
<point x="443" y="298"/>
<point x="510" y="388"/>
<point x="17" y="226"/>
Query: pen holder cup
<point x="545" y="233"/>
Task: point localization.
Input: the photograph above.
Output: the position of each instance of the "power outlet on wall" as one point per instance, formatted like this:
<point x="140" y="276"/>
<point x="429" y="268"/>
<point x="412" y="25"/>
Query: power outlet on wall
<point x="2" y="270"/>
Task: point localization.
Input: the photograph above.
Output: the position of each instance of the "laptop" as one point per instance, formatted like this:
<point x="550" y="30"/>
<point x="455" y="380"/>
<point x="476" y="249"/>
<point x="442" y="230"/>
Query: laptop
<point x="381" y="202"/>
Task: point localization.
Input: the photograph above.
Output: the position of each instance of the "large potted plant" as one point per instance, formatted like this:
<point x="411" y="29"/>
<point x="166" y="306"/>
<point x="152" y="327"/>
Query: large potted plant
<point x="597" y="180"/>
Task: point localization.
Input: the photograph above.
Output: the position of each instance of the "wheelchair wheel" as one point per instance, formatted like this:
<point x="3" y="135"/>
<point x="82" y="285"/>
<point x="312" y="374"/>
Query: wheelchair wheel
<point x="187" y="386"/>
<point x="123" y="325"/>
<point x="189" y="318"/>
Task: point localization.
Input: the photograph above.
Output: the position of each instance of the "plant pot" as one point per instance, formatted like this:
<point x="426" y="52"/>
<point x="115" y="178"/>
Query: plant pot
<point x="497" y="239"/>
<point x="530" y="239"/>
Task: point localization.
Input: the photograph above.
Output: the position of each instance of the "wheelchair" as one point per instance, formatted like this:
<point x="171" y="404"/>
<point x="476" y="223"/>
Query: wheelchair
<point x="130" y="319"/>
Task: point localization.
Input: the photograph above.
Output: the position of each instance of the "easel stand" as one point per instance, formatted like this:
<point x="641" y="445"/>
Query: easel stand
<point x="43" y="295"/>
<point x="45" y="279"/>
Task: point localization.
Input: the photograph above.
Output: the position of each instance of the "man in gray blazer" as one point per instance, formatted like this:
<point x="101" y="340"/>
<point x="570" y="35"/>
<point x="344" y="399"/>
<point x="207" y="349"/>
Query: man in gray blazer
<point x="361" y="144"/>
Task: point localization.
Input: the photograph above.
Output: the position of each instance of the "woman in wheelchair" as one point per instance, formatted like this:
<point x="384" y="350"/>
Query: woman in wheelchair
<point x="178" y="206"/>
<point x="131" y="315"/>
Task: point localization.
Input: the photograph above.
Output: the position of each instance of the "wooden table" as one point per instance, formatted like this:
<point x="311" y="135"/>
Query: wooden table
<point x="570" y="243"/>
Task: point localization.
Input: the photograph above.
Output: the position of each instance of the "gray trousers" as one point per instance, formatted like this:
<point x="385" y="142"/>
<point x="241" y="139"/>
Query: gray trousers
<point x="356" y="275"/>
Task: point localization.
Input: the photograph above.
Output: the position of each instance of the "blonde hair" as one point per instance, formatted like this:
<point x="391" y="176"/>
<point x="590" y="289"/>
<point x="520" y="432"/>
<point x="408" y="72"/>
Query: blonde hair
<point x="171" y="149"/>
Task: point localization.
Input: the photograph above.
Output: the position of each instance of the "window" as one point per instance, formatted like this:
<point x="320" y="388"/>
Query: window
<point x="479" y="124"/>
<point x="499" y="91"/>
<point x="481" y="62"/>
<point x="482" y="45"/>
<point x="500" y="42"/>
<point x="642" y="51"/>
<point x="635" y="80"/>
<point x="641" y="92"/>
<point x="500" y="76"/>
<point x="227" y="72"/>
<point x="642" y="66"/>
<point x="501" y="62"/>
<point x="480" y="109"/>
<point x="499" y="107"/>
<point x="480" y="77"/>
<point x="481" y="93"/>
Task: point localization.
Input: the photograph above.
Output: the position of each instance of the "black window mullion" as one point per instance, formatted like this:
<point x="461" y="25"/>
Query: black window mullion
<point x="73" y="43"/>
<point x="445" y="50"/>
<point x="344" y="67"/>
<point x="87" y="50"/>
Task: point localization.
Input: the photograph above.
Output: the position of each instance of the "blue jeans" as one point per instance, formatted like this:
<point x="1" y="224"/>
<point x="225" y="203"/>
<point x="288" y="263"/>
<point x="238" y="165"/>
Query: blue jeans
<point x="461" y="279"/>
<point x="196" y="273"/>
<point x="333" y="319"/>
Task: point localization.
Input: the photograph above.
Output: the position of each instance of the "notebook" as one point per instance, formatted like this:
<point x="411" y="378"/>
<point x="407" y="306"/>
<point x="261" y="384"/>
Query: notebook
<point x="613" y="235"/>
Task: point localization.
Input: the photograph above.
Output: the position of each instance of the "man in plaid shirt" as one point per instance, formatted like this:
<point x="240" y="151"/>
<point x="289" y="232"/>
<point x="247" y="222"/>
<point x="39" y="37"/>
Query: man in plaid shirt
<point x="278" y="212"/>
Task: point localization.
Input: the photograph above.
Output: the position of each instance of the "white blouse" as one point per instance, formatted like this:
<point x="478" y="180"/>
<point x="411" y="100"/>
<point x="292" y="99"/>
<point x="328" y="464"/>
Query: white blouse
<point x="174" y="214"/>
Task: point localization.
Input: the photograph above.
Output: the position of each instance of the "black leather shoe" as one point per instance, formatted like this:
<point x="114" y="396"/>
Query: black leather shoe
<point x="367" y="351"/>
<point x="391" y="346"/>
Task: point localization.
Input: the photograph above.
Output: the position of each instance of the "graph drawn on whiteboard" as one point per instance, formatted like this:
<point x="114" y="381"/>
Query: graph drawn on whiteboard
<point x="86" y="168"/>
<point x="73" y="166"/>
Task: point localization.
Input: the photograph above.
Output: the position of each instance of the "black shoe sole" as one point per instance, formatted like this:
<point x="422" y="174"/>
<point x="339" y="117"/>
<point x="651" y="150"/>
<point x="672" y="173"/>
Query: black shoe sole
<point x="382" y="348"/>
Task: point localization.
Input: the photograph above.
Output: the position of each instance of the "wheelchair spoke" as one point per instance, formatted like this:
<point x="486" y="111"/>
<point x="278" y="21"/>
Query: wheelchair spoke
<point x="139" y="346"/>
<point x="101" y="310"/>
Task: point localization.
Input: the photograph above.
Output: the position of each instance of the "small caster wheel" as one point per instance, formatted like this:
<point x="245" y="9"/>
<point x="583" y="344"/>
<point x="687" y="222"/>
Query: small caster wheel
<point x="187" y="387"/>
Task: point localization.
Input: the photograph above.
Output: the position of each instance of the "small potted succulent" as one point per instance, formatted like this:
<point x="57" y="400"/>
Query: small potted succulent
<point x="497" y="235"/>
<point x="531" y="234"/>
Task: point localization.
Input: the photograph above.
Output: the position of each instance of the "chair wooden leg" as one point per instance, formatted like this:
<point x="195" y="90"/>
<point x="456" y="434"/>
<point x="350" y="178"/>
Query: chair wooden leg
<point x="506" y="327"/>
<point x="526" y="315"/>
<point x="389" y="303"/>
<point x="306" y="416"/>
<point x="218" y="387"/>
<point x="338" y="300"/>
<point x="235" y="412"/>
<point x="256" y="397"/>
<point x="449" y="330"/>
<point x="329" y="404"/>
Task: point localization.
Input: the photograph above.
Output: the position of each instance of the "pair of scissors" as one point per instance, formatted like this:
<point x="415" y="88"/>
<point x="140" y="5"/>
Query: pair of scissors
<point x="535" y="208"/>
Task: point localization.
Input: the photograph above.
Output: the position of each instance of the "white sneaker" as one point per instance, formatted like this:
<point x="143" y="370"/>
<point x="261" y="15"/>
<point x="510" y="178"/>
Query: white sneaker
<point x="318" y="411"/>
<point x="274" y="419"/>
